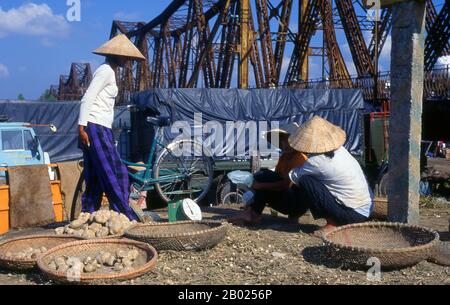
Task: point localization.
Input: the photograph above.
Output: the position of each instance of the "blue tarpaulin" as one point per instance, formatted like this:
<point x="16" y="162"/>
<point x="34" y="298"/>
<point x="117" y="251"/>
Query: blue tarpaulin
<point x="61" y="146"/>
<point x="343" y="107"/>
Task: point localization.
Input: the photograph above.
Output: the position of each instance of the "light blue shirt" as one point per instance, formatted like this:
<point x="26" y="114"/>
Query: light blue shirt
<point x="342" y="176"/>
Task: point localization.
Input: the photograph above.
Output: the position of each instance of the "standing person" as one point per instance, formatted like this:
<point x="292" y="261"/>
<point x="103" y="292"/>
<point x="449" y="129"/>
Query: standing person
<point x="104" y="172"/>
<point x="331" y="183"/>
<point x="273" y="188"/>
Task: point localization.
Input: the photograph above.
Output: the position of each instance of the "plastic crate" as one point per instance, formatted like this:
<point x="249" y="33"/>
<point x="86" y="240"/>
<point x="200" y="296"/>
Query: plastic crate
<point x="4" y="209"/>
<point x="57" y="200"/>
<point x="58" y="206"/>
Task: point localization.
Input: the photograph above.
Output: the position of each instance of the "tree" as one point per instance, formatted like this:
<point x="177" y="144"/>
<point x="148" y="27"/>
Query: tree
<point x="47" y="96"/>
<point x="20" y="97"/>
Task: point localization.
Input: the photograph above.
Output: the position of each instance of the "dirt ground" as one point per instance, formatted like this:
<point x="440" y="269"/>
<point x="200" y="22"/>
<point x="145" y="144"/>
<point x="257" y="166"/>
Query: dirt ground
<point x="275" y="252"/>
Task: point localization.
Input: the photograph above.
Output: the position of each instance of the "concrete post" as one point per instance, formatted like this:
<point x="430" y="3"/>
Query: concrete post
<point x="407" y="66"/>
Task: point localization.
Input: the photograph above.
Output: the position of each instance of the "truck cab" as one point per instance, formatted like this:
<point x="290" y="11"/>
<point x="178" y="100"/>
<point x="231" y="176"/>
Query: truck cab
<point x="19" y="145"/>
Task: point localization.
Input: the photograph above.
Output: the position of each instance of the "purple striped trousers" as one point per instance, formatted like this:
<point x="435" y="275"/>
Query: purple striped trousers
<point x="104" y="172"/>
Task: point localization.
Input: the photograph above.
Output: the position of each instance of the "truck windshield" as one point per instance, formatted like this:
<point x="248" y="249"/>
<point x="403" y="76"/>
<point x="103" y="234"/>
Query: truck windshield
<point x="28" y="140"/>
<point x="12" y="140"/>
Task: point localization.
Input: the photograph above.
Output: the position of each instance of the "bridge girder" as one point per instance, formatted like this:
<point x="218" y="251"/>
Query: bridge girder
<point x="223" y="44"/>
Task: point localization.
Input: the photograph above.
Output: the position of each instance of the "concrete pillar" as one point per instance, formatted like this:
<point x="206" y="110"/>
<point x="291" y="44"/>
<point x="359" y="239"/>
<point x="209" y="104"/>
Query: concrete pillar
<point x="407" y="65"/>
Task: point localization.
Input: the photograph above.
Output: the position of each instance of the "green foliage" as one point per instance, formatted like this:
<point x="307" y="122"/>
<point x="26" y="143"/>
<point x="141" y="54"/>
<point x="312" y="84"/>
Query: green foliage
<point x="433" y="202"/>
<point x="20" y="97"/>
<point x="47" y="96"/>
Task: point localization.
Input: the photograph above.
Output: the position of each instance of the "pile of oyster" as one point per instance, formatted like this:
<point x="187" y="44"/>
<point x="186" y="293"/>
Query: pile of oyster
<point x="99" y="224"/>
<point x="121" y="261"/>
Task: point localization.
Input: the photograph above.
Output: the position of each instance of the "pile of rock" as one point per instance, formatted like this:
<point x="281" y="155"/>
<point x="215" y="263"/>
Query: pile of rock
<point x="99" y="224"/>
<point x="26" y="254"/>
<point x="121" y="261"/>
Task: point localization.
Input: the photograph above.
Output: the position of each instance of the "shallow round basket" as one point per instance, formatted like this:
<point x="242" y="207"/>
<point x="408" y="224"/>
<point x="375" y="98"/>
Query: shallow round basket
<point x="82" y="249"/>
<point x="19" y="244"/>
<point x="181" y="235"/>
<point x="395" y="245"/>
<point x="441" y="255"/>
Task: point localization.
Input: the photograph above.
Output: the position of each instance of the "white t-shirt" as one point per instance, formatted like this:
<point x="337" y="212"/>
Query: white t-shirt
<point x="97" y="104"/>
<point x="343" y="177"/>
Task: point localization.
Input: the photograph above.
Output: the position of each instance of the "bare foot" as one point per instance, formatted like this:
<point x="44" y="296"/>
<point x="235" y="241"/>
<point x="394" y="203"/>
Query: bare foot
<point x="330" y="226"/>
<point x="247" y="216"/>
<point x="134" y="205"/>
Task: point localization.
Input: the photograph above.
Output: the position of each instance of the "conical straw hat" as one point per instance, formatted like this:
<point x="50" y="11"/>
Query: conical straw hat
<point x="317" y="136"/>
<point x="120" y="46"/>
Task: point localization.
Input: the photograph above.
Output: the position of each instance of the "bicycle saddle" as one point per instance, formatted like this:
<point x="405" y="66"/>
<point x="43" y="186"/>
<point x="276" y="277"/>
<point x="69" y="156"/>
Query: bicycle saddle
<point x="159" y="121"/>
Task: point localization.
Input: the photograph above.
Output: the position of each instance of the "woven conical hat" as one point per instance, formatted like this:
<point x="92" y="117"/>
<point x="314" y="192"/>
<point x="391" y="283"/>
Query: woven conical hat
<point x="287" y="130"/>
<point x="317" y="136"/>
<point x="120" y="46"/>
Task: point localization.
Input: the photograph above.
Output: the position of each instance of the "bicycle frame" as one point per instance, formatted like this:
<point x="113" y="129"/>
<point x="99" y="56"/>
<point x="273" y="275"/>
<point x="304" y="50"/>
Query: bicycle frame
<point x="144" y="180"/>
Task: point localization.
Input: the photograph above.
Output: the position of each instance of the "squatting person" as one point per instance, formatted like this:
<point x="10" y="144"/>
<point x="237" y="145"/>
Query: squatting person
<point x="331" y="183"/>
<point x="273" y="188"/>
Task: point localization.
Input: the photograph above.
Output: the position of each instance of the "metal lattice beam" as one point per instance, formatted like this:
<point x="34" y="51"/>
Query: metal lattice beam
<point x="355" y="38"/>
<point x="220" y="43"/>
<point x="438" y="37"/>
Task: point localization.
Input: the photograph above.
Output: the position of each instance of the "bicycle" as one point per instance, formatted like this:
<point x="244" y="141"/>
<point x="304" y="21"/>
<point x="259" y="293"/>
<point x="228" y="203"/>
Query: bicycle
<point x="182" y="169"/>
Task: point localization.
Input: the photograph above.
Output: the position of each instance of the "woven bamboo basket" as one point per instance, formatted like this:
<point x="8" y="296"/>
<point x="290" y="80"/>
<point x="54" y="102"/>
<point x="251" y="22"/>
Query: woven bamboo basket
<point x="82" y="249"/>
<point x="380" y="209"/>
<point x="181" y="235"/>
<point x="441" y="255"/>
<point x="395" y="245"/>
<point x="18" y="244"/>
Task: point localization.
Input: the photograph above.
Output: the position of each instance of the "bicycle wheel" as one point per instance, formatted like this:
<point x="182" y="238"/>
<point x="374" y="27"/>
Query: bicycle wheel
<point x="194" y="171"/>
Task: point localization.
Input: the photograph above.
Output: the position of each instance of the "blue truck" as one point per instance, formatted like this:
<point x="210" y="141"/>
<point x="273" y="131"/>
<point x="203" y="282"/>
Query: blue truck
<point x="19" y="145"/>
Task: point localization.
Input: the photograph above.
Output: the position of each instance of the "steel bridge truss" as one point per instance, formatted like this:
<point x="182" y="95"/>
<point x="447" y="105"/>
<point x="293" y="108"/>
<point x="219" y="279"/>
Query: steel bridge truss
<point x="73" y="86"/>
<point x="263" y="43"/>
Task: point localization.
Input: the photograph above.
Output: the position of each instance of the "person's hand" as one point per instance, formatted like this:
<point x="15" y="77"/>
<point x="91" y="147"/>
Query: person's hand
<point x="256" y="185"/>
<point x="84" y="138"/>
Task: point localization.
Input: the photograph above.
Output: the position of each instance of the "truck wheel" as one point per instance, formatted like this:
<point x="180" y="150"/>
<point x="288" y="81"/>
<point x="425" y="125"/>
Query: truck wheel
<point x="230" y="193"/>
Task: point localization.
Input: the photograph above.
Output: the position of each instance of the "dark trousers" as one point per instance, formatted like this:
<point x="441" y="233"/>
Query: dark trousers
<point x="314" y="195"/>
<point x="284" y="202"/>
<point x="104" y="172"/>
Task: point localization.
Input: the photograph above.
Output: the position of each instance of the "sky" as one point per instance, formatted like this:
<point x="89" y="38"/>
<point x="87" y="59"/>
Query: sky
<point x="38" y="43"/>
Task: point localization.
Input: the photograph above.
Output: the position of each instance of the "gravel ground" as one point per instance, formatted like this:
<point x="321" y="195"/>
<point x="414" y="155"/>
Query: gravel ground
<point x="274" y="252"/>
